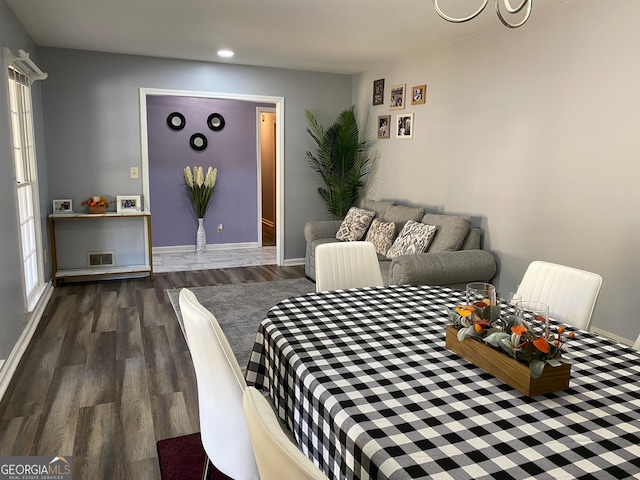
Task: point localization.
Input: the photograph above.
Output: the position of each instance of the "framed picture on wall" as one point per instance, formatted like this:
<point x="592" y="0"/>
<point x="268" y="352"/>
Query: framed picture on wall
<point x="404" y="125"/>
<point x="378" y="92"/>
<point x="418" y="94"/>
<point x="384" y="126"/>
<point x="63" y="206"/>
<point x="128" y="203"/>
<point x="397" y="97"/>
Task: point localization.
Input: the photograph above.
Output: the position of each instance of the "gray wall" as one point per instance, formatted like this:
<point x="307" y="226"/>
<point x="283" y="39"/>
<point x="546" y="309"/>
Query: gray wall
<point x="92" y="125"/>
<point x="533" y="132"/>
<point x="87" y="115"/>
<point x="12" y="318"/>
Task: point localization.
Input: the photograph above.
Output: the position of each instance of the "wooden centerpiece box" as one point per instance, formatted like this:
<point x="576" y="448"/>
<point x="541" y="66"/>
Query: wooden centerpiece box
<point x="507" y="369"/>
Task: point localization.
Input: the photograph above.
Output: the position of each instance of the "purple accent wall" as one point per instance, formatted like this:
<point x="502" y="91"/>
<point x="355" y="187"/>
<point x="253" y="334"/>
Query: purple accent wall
<point x="231" y="150"/>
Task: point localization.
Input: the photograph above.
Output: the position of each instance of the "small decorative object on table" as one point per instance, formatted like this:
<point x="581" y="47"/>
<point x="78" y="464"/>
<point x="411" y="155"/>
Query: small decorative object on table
<point x="63" y="206"/>
<point x="200" y="188"/>
<point x="517" y="349"/>
<point x="128" y="203"/>
<point x="96" y="204"/>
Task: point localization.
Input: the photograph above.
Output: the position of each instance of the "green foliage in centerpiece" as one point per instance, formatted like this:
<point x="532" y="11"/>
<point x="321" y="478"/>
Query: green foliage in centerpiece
<point x="524" y="341"/>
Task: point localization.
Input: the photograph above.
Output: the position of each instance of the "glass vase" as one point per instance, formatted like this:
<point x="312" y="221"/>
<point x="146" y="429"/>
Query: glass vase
<point x="482" y="296"/>
<point x="479" y="291"/>
<point x="535" y="315"/>
<point x="201" y="237"/>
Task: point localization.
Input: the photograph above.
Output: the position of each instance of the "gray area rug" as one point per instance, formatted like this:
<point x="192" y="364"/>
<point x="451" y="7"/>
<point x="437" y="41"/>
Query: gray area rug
<point x="240" y="308"/>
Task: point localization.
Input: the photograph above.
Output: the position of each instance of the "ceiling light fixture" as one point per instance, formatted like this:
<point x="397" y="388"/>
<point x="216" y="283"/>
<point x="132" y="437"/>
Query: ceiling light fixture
<point x="507" y="6"/>
<point x="225" y="53"/>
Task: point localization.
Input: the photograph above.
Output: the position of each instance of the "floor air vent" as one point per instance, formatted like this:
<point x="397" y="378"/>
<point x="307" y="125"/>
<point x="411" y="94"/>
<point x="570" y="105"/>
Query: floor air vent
<point x="101" y="259"/>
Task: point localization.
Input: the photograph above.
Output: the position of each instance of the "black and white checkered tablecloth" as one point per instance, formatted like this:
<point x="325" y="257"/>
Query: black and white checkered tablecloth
<point x="365" y="382"/>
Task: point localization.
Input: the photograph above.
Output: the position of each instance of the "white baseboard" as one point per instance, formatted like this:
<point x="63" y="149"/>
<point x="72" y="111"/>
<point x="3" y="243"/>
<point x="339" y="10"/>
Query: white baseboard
<point x="611" y="336"/>
<point x="292" y="262"/>
<point x="8" y="367"/>
<point x="210" y="247"/>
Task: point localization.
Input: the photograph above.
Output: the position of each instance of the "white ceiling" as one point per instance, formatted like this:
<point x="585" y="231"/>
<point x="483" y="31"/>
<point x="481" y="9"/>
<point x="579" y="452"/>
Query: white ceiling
<point x="341" y="36"/>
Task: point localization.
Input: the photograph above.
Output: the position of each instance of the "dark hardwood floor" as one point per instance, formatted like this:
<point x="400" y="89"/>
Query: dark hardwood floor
<point x="108" y="374"/>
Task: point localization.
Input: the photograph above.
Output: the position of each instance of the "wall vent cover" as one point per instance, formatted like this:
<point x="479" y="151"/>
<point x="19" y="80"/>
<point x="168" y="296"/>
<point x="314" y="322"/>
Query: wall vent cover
<point x="101" y="259"/>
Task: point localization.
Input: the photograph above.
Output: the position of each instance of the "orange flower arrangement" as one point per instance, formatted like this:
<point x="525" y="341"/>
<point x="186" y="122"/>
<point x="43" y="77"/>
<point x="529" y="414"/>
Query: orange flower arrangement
<point x="530" y="344"/>
<point x="96" y="202"/>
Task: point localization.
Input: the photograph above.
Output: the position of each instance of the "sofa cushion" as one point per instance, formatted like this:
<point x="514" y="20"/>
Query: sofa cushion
<point x="451" y="231"/>
<point x="378" y="206"/>
<point x="414" y="238"/>
<point x="355" y="224"/>
<point x="400" y="215"/>
<point x="381" y="234"/>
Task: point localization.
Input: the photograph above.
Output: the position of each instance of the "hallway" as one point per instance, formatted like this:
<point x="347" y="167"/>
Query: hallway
<point x="213" y="259"/>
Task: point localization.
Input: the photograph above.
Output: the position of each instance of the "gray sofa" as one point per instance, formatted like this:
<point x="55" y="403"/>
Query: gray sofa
<point x="454" y="257"/>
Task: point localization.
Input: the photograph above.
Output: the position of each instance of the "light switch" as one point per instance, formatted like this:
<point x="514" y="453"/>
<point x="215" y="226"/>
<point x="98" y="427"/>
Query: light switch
<point x="133" y="173"/>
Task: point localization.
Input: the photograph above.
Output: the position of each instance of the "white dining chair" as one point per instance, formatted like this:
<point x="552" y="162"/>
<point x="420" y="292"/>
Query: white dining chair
<point x="277" y="456"/>
<point x="636" y="344"/>
<point x="346" y="265"/>
<point x="224" y="432"/>
<point x="570" y="293"/>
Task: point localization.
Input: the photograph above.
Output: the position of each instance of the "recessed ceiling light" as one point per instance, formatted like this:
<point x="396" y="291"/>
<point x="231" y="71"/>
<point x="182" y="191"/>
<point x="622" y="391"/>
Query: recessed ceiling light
<point x="225" y="53"/>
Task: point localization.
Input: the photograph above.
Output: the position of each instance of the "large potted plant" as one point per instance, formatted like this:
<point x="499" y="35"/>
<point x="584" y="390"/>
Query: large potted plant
<point x="342" y="160"/>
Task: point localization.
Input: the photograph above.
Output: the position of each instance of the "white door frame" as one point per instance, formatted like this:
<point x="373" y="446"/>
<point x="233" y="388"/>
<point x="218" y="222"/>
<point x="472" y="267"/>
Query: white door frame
<point x="279" y="103"/>
<point x="260" y="110"/>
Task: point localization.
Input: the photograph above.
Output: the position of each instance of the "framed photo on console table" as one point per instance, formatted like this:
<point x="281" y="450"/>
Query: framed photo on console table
<point x="128" y="203"/>
<point x="63" y="206"/>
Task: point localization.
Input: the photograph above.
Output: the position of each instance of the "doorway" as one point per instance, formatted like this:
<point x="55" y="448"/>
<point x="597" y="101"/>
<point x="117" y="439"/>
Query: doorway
<point x="267" y="162"/>
<point x="278" y="102"/>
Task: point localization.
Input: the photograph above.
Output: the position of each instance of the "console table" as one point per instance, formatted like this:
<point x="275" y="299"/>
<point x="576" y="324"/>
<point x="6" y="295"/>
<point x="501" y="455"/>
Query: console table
<point x="147" y="267"/>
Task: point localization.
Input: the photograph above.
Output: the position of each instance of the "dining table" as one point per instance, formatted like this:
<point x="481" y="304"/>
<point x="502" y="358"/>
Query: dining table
<point x="365" y="383"/>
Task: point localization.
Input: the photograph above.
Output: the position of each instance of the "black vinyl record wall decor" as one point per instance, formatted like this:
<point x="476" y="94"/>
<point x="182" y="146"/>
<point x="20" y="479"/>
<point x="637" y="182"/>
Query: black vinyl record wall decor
<point x="176" y="121"/>
<point x="198" y="141"/>
<point x="215" y="122"/>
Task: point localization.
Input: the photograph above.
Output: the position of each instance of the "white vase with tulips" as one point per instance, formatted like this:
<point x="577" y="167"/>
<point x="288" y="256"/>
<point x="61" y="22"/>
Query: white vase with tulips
<point x="200" y="188"/>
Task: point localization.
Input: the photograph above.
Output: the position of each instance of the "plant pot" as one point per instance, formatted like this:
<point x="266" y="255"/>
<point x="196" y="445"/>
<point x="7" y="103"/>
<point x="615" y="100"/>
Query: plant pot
<point x="102" y="209"/>
<point x="506" y="368"/>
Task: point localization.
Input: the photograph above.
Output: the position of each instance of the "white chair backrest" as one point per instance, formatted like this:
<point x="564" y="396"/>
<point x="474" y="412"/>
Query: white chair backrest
<point x="346" y="265"/>
<point x="224" y="432"/>
<point x="277" y="457"/>
<point x="570" y="293"/>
